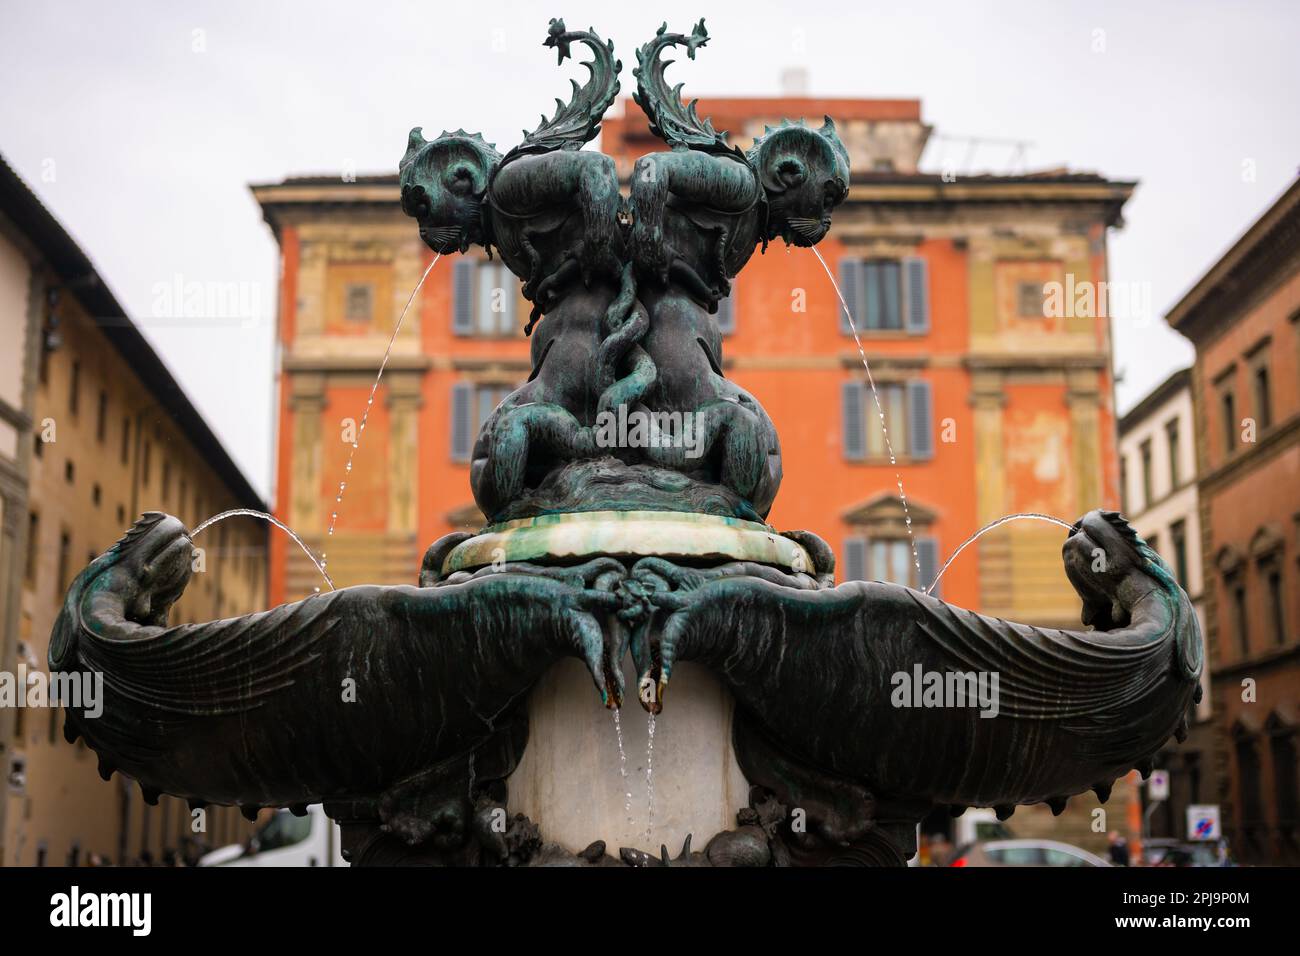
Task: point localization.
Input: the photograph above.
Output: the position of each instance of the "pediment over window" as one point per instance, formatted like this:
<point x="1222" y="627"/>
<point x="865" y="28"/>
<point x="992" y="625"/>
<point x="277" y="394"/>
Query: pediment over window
<point x="1246" y="726"/>
<point x="1266" y="543"/>
<point x="885" y="511"/>
<point x="1282" y="720"/>
<point x="1229" y="560"/>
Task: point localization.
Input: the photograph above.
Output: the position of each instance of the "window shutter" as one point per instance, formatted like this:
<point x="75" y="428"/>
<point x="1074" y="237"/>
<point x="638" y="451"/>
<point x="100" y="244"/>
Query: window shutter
<point x="916" y="293"/>
<point x="462" y="297"/>
<point x="504" y="280"/>
<point x="853" y="415"/>
<point x="727" y="313"/>
<point x="462" y="421"/>
<point x="927" y="555"/>
<point x="849" y="289"/>
<point x="485" y="296"/>
<point x="871" y="296"/>
<point x="920" y="424"/>
<point x="891" y="296"/>
<point x="487" y="402"/>
<point x="855" y="559"/>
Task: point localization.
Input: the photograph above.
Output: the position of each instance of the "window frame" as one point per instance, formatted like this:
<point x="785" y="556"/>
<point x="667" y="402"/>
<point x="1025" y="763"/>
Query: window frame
<point x="909" y="420"/>
<point x="1178" y="542"/>
<point x="1146" y="457"/>
<point x="1173" y="446"/>
<point x="471" y="277"/>
<point x="865" y="295"/>
<point x="349" y="289"/>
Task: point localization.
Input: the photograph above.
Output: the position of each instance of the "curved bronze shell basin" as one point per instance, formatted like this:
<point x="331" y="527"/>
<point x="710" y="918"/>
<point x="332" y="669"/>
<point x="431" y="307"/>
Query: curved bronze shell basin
<point x="819" y="724"/>
<point x="674" y="535"/>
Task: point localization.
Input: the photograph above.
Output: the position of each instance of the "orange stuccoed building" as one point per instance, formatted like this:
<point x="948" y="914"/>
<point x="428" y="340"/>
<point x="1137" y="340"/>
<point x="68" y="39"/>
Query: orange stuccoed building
<point x="998" y="397"/>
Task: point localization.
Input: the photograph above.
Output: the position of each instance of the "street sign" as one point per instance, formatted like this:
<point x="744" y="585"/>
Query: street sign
<point x="1158" y="785"/>
<point x="1203" y="821"/>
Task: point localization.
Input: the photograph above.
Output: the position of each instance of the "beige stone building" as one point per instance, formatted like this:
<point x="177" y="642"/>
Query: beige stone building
<point x="1157" y="445"/>
<point x="94" y="432"/>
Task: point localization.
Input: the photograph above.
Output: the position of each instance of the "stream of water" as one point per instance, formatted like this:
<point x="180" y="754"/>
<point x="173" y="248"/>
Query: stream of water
<point x="622" y="764"/>
<point x="880" y="411"/>
<point x="370" y="401"/>
<point x="985" y="530"/>
<point x="650" y="779"/>
<point x="249" y="512"/>
<point x="321" y="562"/>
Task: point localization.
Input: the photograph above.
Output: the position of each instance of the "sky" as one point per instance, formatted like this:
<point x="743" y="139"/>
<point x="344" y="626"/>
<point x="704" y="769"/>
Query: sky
<point x="141" y="124"/>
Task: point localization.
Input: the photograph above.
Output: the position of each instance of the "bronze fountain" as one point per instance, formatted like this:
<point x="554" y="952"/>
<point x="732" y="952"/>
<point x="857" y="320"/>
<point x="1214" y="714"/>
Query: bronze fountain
<point x="657" y="550"/>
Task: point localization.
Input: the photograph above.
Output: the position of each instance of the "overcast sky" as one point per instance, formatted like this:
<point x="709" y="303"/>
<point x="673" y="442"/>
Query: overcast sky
<point x="140" y="125"/>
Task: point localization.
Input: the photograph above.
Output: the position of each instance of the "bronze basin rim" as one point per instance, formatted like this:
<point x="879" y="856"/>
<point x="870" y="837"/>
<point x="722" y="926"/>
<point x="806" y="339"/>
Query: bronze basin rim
<point x="590" y="534"/>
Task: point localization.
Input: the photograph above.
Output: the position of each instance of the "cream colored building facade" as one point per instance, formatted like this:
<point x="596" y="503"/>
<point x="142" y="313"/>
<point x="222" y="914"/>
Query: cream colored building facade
<point x="1157" y="447"/>
<point x="107" y="434"/>
<point x="1158" y="476"/>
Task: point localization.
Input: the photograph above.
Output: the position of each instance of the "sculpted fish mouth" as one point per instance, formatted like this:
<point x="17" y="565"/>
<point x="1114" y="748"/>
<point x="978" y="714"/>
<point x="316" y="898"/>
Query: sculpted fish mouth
<point x="811" y="231"/>
<point x="442" y="238"/>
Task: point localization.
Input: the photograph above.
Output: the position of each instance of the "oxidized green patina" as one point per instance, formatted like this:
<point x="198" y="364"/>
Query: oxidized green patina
<point x="653" y="548"/>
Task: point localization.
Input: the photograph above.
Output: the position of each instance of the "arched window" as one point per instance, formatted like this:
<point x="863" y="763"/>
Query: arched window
<point x="1286" y="782"/>
<point x="1250" y="809"/>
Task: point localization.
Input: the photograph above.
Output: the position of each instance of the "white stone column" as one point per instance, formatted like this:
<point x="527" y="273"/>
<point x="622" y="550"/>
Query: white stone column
<point x="569" y="783"/>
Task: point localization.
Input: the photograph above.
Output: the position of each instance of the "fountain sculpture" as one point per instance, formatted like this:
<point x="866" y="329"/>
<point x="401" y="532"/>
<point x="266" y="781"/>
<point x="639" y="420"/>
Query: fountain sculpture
<point x="598" y="550"/>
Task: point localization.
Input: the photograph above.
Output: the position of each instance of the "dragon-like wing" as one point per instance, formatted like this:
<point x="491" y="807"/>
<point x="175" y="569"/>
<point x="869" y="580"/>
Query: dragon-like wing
<point x="898" y="692"/>
<point x="344" y="694"/>
<point x="578" y="121"/>
<point x="677" y="124"/>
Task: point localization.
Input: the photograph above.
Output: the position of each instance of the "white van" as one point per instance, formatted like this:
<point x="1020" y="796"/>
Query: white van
<point x="285" y="840"/>
<point x="977" y="824"/>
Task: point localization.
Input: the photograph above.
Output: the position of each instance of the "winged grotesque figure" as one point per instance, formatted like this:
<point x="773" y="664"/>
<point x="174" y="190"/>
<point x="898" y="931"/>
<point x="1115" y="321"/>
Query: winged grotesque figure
<point x="404" y="709"/>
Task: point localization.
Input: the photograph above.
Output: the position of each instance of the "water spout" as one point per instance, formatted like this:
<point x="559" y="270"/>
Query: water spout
<point x="987" y="528"/>
<point x="370" y="401"/>
<point x="650" y="778"/>
<point x="249" y="512"/>
<point x="622" y="764"/>
<point x="880" y="411"/>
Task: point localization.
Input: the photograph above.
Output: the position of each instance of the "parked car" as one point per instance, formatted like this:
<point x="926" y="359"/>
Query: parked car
<point x="1167" y="852"/>
<point x="285" y="840"/>
<point x="1024" y="853"/>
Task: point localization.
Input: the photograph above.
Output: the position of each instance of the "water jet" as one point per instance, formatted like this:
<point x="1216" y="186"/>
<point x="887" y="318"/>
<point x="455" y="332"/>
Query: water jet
<point x="628" y="566"/>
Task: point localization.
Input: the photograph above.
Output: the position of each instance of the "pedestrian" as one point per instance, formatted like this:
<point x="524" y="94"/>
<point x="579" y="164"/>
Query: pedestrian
<point x="1118" y="849"/>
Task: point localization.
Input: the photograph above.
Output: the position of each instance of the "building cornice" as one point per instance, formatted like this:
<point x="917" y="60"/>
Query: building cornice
<point x="1274" y="441"/>
<point x="1156" y="399"/>
<point x="354" y="363"/>
<point x="1242" y="273"/>
<point x="1012" y="361"/>
<point x="866" y="188"/>
<point x="1258" y="663"/>
<point x="74" y="273"/>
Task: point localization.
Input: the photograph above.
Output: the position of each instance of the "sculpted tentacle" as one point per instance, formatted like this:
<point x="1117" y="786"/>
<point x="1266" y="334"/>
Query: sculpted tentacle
<point x="624" y="326"/>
